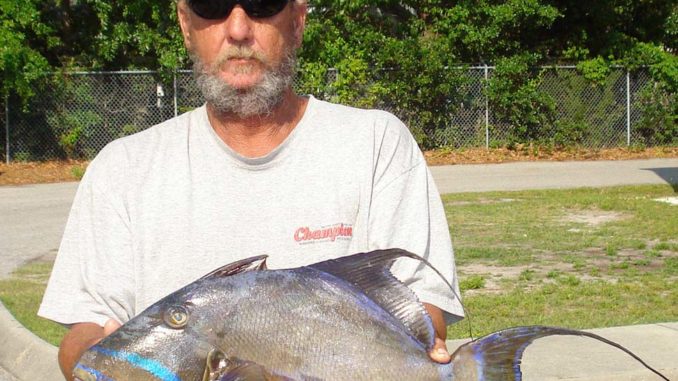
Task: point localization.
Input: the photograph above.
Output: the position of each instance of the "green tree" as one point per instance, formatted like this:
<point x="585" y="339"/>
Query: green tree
<point x="407" y="56"/>
<point x="21" y="60"/>
<point x="609" y="28"/>
<point x="42" y="36"/>
<point x="137" y="34"/>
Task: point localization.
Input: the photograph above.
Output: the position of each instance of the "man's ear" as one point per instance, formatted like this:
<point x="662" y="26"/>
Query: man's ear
<point x="299" y="22"/>
<point x="184" y="16"/>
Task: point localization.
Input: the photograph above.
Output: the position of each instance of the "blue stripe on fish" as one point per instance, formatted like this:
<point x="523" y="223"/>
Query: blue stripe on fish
<point x="153" y="367"/>
<point x="100" y="376"/>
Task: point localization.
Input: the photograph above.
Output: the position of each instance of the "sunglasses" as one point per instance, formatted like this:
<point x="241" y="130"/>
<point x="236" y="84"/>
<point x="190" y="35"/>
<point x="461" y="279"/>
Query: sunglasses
<point x="219" y="9"/>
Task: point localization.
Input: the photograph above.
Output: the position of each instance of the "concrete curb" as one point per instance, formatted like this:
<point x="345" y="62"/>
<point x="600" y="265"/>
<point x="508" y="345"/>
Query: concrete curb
<point x="24" y="355"/>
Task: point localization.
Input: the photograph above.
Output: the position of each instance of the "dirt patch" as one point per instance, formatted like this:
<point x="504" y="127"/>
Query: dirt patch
<point x="41" y="172"/>
<point x="499" y="279"/>
<point x="492" y="275"/>
<point x="482" y="201"/>
<point x="594" y="218"/>
<point x="530" y="153"/>
<point x="668" y="200"/>
<point x="590" y="265"/>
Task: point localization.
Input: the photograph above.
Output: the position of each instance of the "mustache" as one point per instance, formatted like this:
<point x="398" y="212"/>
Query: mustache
<point x="239" y="52"/>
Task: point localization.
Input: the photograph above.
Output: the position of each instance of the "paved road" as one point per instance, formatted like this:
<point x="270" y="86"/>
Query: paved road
<point x="32" y="217"/>
<point x="32" y="220"/>
<point x="549" y="175"/>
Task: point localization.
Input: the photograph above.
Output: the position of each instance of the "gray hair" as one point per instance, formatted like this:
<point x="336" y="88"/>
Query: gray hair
<point x="261" y="99"/>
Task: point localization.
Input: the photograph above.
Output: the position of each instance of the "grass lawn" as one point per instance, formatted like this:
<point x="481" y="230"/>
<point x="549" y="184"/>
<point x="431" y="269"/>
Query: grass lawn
<point x="582" y="258"/>
<point x="22" y="293"/>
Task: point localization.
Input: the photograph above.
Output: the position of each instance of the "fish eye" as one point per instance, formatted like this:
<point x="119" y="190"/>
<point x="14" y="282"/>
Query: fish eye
<point x="176" y="317"/>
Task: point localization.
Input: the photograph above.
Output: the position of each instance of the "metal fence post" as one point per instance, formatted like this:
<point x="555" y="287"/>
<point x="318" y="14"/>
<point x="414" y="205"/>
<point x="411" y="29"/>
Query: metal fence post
<point x="7" y="128"/>
<point x="175" y="95"/>
<point x="628" y="108"/>
<point x="487" y="111"/>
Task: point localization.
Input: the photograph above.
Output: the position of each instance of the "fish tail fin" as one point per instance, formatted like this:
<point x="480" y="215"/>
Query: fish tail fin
<point x="498" y="355"/>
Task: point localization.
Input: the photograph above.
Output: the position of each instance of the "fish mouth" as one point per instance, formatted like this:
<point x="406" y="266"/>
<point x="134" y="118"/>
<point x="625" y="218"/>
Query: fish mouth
<point x="83" y="373"/>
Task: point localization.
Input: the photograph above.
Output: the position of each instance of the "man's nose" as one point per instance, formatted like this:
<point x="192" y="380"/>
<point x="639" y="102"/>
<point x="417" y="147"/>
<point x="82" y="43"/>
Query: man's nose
<point x="238" y="25"/>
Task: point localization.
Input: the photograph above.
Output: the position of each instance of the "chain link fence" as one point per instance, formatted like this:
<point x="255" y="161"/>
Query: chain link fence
<point x="76" y="115"/>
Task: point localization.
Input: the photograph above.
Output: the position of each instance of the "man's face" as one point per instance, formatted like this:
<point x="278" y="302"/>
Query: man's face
<point x="240" y="56"/>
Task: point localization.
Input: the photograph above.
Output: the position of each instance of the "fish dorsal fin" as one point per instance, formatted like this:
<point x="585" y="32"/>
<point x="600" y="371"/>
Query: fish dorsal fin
<point x="249" y="264"/>
<point x="370" y="272"/>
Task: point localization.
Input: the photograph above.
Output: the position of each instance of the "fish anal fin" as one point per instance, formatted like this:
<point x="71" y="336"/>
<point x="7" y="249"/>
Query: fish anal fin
<point x="249" y="264"/>
<point x="370" y="272"/>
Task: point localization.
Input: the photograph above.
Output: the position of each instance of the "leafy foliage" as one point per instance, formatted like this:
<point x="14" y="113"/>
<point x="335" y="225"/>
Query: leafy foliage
<point x="398" y="54"/>
<point x="42" y="36"/>
<point x="516" y="98"/>
<point x="406" y="56"/>
<point x="21" y="60"/>
<point x="137" y="34"/>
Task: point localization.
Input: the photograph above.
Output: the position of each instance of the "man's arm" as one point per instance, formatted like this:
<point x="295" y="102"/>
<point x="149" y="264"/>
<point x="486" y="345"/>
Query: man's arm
<point x="78" y="339"/>
<point x="439" y="351"/>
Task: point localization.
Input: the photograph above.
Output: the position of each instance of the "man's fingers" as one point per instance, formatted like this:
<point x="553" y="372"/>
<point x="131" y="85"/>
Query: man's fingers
<point x="111" y="326"/>
<point x="439" y="352"/>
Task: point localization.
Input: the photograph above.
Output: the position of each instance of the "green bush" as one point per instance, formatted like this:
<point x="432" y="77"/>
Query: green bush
<point x="590" y="110"/>
<point x="656" y="103"/>
<point x="657" y="124"/>
<point x="517" y="101"/>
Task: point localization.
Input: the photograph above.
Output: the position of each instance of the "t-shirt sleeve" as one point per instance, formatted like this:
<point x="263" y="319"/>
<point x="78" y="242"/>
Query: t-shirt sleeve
<point x="407" y="213"/>
<point x="92" y="279"/>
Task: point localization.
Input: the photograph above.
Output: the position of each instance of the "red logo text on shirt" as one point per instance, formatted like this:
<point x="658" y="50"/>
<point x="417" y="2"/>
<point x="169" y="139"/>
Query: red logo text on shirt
<point x="329" y="233"/>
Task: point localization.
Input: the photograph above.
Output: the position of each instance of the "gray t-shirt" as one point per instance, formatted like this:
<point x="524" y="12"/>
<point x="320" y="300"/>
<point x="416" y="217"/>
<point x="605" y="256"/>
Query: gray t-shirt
<point x="158" y="209"/>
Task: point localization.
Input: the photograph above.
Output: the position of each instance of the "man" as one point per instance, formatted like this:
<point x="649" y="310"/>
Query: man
<point x="259" y="169"/>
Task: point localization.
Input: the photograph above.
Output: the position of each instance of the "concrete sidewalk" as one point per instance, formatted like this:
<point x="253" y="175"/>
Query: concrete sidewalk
<point x="581" y="358"/>
<point x="25" y="357"/>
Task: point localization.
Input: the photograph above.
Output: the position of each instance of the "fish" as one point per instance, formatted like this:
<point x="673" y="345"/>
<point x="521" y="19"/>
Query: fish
<point x="343" y="319"/>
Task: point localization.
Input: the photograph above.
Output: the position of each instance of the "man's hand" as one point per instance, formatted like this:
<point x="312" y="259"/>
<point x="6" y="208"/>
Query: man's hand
<point x="78" y="339"/>
<point x="439" y="352"/>
<point x="111" y="326"/>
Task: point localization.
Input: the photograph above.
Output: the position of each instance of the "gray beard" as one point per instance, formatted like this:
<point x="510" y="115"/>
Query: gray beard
<point x="259" y="100"/>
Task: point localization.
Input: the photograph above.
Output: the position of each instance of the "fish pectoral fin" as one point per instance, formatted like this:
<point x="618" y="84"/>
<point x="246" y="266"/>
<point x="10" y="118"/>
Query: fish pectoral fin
<point x="370" y="272"/>
<point x="250" y="371"/>
<point x="499" y="354"/>
<point x="216" y="365"/>
<point x="257" y="263"/>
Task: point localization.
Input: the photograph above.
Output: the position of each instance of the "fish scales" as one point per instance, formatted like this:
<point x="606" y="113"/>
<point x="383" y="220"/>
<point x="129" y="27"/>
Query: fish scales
<point x="316" y="325"/>
<point x="342" y="319"/>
